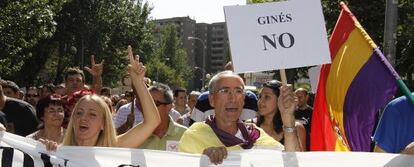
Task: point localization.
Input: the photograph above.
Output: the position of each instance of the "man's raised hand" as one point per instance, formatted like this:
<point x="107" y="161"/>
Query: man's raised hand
<point x="96" y="69"/>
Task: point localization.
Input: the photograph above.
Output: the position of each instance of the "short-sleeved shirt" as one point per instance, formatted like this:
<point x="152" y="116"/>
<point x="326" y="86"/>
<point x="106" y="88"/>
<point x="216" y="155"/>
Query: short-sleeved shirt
<point x="121" y="116"/>
<point x="200" y="136"/>
<point x="396" y="127"/>
<point x="169" y="142"/>
<point x="175" y="115"/>
<point x="20" y="115"/>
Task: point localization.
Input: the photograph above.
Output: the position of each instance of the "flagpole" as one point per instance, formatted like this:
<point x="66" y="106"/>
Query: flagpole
<point x="406" y="91"/>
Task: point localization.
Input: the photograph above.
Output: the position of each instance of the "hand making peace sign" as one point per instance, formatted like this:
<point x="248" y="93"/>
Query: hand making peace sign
<point x="135" y="68"/>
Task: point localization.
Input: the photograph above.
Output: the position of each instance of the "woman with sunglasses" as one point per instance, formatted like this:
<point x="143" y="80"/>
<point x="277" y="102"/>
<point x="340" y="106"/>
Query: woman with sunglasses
<point x="270" y="118"/>
<point x="50" y="111"/>
<point x="91" y="121"/>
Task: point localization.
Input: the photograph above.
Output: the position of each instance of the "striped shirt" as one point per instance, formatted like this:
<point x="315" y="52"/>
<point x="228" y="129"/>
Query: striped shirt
<point x="121" y="116"/>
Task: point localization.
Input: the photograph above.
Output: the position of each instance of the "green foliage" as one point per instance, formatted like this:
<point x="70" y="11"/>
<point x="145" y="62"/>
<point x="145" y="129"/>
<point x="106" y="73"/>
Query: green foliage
<point x="370" y="14"/>
<point x="405" y="44"/>
<point x="169" y="63"/>
<point x="22" y="25"/>
<point x="160" y="72"/>
<point x="42" y="38"/>
<point x="105" y="28"/>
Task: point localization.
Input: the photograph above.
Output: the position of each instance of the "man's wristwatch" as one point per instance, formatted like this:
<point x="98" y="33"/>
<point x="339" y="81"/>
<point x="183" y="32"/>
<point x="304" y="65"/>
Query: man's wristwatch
<point x="289" y="129"/>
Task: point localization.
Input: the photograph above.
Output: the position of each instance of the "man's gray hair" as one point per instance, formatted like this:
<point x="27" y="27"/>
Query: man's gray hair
<point x="165" y="90"/>
<point x="215" y="78"/>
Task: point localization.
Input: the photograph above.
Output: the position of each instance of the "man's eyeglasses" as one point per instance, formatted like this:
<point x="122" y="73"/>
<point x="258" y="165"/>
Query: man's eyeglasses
<point x="238" y="92"/>
<point x="159" y="103"/>
<point x="31" y="95"/>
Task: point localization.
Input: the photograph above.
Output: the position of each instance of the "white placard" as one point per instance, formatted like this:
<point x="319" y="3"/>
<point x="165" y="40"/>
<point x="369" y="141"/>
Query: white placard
<point x="277" y="35"/>
<point x="314" y="73"/>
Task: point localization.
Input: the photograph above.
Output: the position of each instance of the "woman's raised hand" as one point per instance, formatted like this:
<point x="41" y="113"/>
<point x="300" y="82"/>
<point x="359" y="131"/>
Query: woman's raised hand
<point x="135" y="68"/>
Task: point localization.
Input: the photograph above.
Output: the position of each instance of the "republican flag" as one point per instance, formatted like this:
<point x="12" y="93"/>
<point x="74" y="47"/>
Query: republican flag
<point x="351" y="90"/>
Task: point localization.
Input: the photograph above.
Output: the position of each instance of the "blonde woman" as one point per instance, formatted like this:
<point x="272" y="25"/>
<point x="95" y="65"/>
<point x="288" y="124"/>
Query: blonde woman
<point x="91" y="121"/>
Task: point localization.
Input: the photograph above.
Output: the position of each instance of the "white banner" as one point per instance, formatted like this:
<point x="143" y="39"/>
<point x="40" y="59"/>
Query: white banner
<point x="17" y="151"/>
<point x="277" y="35"/>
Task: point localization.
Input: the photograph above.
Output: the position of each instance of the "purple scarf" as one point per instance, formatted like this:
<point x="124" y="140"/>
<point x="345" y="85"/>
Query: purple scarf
<point x="249" y="132"/>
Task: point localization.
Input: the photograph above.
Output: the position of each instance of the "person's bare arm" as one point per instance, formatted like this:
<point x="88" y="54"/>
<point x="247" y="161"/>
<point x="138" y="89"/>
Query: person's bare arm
<point x="287" y="102"/>
<point x="301" y="136"/>
<point x="409" y="149"/>
<point x="378" y="149"/>
<point x="139" y="133"/>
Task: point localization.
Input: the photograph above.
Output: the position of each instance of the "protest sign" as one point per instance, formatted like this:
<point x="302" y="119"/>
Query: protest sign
<point x="277" y="35"/>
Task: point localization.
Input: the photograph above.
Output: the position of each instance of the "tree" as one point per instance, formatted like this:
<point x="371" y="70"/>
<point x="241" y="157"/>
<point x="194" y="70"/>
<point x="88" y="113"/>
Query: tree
<point x="23" y="24"/>
<point x="405" y="44"/>
<point x="105" y="28"/>
<point x="168" y="64"/>
<point x="80" y="28"/>
<point x="369" y="13"/>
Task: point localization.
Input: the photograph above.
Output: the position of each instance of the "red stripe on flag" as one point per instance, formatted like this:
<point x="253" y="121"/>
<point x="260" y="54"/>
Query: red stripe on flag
<point x="344" y="26"/>
<point x="322" y="136"/>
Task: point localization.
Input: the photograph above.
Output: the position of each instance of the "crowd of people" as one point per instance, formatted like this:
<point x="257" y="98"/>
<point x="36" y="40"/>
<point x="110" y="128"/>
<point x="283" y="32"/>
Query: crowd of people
<point x="224" y="118"/>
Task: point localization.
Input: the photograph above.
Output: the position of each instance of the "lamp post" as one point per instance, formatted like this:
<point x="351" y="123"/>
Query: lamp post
<point x="203" y="69"/>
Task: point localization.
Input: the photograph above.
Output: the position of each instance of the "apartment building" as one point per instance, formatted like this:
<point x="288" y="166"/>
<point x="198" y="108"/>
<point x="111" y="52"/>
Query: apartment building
<point x="200" y="40"/>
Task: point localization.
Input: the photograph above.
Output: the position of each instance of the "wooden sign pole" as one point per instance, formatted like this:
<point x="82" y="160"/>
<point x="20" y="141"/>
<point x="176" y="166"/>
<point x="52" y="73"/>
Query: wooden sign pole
<point x="283" y="76"/>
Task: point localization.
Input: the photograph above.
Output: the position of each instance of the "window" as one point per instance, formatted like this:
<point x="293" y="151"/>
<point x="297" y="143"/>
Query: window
<point x="217" y="51"/>
<point x="217" y="39"/>
<point x="217" y="45"/>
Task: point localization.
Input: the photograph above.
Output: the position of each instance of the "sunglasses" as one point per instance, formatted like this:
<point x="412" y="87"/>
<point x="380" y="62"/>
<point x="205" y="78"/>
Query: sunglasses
<point x="273" y="84"/>
<point x="159" y="103"/>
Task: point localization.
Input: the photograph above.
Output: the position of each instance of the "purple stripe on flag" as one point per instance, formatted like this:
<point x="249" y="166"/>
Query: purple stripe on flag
<point x="384" y="60"/>
<point x="371" y="88"/>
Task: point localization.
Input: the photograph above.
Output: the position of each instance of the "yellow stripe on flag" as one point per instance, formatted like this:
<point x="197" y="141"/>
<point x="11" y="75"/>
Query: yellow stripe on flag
<point x="352" y="55"/>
